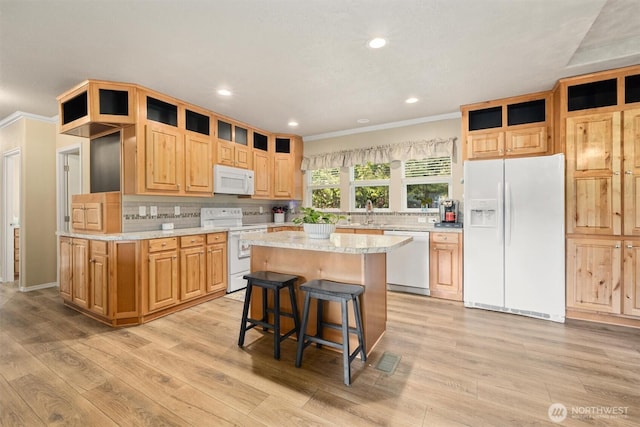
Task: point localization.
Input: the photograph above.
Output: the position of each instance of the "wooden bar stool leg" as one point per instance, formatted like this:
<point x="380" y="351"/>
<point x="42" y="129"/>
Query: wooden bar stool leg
<point x="345" y="343"/>
<point x="265" y="313"/>
<point x="303" y="330"/>
<point x="294" y="311"/>
<point x="320" y="308"/>
<point x="358" y="316"/>
<point x="245" y="314"/>
<point x="276" y="323"/>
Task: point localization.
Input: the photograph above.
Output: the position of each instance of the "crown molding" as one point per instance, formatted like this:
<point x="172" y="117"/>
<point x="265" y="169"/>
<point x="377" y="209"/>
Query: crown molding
<point x="12" y="118"/>
<point x="391" y="125"/>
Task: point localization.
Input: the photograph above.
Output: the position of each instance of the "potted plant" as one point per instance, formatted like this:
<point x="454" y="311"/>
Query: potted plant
<point x="317" y="225"/>
<point x="425" y="202"/>
<point x="278" y="213"/>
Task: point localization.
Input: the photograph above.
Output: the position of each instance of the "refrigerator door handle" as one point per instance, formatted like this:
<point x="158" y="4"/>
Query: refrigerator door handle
<point x="507" y="214"/>
<point x="499" y="226"/>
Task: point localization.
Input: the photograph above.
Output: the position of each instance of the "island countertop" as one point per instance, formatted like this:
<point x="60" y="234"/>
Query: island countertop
<point x="337" y="242"/>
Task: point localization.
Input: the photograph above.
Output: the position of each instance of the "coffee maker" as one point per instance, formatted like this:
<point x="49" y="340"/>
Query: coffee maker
<point x="449" y="213"/>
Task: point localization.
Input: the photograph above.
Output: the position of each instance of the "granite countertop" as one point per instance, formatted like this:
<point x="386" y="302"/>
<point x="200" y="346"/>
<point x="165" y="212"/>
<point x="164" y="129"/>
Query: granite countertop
<point x="382" y="226"/>
<point x="144" y="235"/>
<point x="155" y="234"/>
<point x="337" y="242"/>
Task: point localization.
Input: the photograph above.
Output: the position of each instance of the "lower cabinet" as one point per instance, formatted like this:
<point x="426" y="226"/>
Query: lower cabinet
<point x="216" y="263"/>
<point x="99" y="277"/>
<point x="445" y="265"/>
<point x="192" y="267"/>
<point x="162" y="275"/>
<point x="603" y="277"/>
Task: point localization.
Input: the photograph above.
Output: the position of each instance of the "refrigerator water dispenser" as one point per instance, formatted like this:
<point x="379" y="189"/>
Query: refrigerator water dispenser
<point x="483" y="213"/>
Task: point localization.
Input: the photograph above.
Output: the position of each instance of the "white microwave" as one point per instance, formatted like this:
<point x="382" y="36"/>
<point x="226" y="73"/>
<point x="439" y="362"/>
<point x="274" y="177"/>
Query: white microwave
<point x="230" y="180"/>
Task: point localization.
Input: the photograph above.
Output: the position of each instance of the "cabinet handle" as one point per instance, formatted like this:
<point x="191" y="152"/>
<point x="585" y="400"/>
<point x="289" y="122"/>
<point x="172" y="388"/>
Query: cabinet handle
<point x="92" y="260"/>
<point x="617" y="246"/>
<point x="628" y="173"/>
<point x="508" y="150"/>
<point x="164" y="244"/>
<point x="629" y="246"/>
<point x="616" y="173"/>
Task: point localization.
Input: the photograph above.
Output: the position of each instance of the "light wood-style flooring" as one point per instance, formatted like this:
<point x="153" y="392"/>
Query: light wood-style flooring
<point x="458" y="367"/>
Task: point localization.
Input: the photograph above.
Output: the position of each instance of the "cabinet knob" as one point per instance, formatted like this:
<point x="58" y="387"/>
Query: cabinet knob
<point x="508" y="150"/>
<point x="616" y="173"/>
<point x="628" y="173"/>
<point x="629" y="246"/>
<point x="164" y="244"/>
<point x="617" y="246"/>
<point x="92" y="260"/>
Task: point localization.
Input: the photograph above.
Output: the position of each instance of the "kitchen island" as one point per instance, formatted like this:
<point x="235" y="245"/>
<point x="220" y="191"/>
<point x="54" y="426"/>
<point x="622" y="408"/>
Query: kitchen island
<point x="348" y="258"/>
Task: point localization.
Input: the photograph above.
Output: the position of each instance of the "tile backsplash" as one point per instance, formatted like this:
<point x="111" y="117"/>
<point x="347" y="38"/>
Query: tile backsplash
<point x="189" y="215"/>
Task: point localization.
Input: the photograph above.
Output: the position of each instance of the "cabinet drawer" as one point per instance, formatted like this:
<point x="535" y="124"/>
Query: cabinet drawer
<point x="216" y="238"/>
<point x="98" y="247"/>
<point x="444" y="237"/>
<point x="156" y="245"/>
<point x="197" y="240"/>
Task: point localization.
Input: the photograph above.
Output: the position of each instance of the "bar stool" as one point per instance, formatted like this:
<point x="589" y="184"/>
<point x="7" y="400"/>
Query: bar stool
<point x="326" y="290"/>
<point x="268" y="280"/>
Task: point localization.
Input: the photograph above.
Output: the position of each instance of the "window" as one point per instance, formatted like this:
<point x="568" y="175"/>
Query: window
<point x="425" y="182"/>
<point x="370" y="182"/>
<point x="324" y="188"/>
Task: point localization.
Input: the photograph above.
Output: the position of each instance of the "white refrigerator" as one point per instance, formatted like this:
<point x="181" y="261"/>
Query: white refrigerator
<point x="514" y="252"/>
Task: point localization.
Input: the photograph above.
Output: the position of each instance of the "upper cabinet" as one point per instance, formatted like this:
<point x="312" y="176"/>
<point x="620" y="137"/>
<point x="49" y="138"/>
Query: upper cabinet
<point x="169" y="147"/>
<point x="510" y="127"/>
<point x="233" y="144"/>
<point x="169" y="151"/>
<point x="95" y="107"/>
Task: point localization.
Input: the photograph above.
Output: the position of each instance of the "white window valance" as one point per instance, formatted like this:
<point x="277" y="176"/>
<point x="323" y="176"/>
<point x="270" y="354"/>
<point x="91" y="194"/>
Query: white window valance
<point x="409" y="150"/>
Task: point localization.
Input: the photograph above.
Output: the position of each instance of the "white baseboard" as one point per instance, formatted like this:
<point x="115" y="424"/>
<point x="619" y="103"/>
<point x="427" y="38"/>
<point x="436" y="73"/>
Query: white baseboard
<point x="37" y="287"/>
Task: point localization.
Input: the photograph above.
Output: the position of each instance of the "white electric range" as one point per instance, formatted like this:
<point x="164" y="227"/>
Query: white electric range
<point x="238" y="256"/>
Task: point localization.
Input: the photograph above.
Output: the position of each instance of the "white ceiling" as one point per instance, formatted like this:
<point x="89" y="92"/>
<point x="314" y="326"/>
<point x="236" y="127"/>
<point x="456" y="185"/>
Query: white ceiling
<point x="307" y="60"/>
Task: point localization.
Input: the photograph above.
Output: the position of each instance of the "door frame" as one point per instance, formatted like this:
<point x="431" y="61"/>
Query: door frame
<point x="7" y="203"/>
<point x="61" y="187"/>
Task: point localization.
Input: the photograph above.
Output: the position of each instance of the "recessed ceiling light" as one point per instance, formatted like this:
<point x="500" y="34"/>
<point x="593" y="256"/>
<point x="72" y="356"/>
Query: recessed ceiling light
<point x="377" y="43"/>
<point x="224" y="92"/>
<point x="293" y="124"/>
<point x="362" y="121"/>
<point x="411" y="100"/>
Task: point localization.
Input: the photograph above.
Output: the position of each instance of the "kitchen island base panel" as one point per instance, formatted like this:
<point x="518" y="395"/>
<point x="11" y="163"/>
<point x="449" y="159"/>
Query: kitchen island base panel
<point x="368" y="270"/>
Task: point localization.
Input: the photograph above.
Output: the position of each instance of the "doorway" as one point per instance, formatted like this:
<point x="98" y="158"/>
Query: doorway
<point x="11" y="215"/>
<point x="69" y="182"/>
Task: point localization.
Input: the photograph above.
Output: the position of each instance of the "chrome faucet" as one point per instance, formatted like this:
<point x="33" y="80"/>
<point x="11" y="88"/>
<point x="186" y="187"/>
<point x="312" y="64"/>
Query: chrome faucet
<point x="369" y="211"/>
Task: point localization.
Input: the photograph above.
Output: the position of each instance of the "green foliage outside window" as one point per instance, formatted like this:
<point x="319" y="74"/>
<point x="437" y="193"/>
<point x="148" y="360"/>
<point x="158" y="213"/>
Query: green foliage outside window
<point x="379" y="196"/>
<point x="325" y="198"/>
<point x="417" y="193"/>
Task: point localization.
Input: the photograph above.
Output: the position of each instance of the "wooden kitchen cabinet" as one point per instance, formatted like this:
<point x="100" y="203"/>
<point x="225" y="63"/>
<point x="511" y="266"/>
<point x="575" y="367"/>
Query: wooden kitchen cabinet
<point x="162" y="273"/>
<point x="594" y="274"/>
<point x="600" y="120"/>
<point x="198" y="161"/>
<point x="631" y="170"/>
<point x="164" y="151"/>
<point x="65" y="267"/>
<point x="593" y="174"/>
<point x="96" y="213"/>
<point x="233" y="144"/>
<point x="510" y="127"/>
<point x="79" y="272"/>
<point x="216" y="277"/>
<point x="192" y="267"/>
<point x="631" y="271"/>
<point x="261" y="174"/>
<point x="445" y="265"/>
<point x="95" y="107"/>
<point x="98" y="277"/>
<point x="287" y="161"/>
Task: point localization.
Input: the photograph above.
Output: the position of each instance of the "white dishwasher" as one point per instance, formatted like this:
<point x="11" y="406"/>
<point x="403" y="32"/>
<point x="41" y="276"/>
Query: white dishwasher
<point x="408" y="266"/>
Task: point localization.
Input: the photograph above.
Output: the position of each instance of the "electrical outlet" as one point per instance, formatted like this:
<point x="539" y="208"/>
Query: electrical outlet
<point x="176" y="210"/>
<point x="261" y="209"/>
<point x="142" y="210"/>
<point x="422" y="219"/>
<point x="432" y="220"/>
<point x="153" y="210"/>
